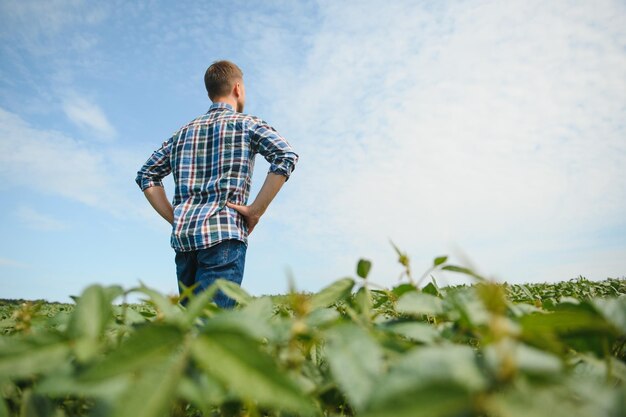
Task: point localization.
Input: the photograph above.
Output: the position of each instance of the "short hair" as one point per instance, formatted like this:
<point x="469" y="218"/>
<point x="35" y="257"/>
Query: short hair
<point x="220" y="78"/>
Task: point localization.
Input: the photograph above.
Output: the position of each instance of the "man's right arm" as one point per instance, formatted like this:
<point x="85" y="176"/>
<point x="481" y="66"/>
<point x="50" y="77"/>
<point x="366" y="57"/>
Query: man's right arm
<point x="149" y="179"/>
<point x="158" y="200"/>
<point x="156" y="167"/>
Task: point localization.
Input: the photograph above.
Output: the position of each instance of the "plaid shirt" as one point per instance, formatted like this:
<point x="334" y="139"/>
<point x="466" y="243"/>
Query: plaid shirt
<point x="212" y="159"/>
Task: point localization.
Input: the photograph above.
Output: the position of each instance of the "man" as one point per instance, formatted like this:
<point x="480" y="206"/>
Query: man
<point x="212" y="160"/>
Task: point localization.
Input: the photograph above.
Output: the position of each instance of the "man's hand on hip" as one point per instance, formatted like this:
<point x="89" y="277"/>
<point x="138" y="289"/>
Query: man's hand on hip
<point x="250" y="213"/>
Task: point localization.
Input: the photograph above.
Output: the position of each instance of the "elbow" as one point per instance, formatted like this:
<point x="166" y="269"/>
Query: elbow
<point x="284" y="165"/>
<point x="144" y="182"/>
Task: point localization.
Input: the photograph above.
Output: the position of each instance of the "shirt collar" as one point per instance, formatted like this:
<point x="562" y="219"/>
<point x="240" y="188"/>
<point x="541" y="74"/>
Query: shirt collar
<point x="220" y="105"/>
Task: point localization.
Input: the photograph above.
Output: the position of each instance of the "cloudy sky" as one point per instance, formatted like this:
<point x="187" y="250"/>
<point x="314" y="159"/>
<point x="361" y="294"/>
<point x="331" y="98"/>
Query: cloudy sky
<point x="490" y="131"/>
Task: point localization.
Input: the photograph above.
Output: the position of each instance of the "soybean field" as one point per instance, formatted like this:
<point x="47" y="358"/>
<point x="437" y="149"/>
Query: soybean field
<point x="351" y="349"/>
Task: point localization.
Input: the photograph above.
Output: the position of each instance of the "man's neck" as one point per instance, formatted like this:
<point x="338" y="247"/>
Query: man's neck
<point x="227" y="100"/>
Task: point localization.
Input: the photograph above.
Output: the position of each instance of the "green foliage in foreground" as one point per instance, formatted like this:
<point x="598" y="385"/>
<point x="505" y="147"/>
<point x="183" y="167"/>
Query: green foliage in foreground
<point x="351" y="349"/>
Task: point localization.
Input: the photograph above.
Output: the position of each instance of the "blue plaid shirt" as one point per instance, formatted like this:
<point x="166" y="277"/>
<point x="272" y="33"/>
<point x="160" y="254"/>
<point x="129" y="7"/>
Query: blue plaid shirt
<point x="212" y="159"/>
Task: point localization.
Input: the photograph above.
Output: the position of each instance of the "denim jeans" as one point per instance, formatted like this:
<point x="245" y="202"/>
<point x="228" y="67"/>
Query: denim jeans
<point x="224" y="260"/>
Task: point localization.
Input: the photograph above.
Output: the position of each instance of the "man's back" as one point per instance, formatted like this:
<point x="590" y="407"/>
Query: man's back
<point x="212" y="160"/>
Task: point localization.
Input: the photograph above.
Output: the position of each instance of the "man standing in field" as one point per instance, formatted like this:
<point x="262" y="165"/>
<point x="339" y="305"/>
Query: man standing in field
<point x="212" y="159"/>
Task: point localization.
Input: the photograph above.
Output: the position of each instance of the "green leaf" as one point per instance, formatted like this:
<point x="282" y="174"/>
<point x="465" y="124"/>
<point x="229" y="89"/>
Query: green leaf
<point x="522" y="309"/>
<point x="434" y="400"/>
<point x="356" y="362"/>
<point x="526" y="359"/>
<point x="92" y="313"/>
<point x="59" y="385"/>
<point x="419" y="303"/>
<point x="526" y="291"/>
<point x="572" y="321"/>
<point x="402" y="289"/>
<point x="26" y="357"/>
<point x="128" y="315"/>
<point x="428" y="381"/>
<point x="568" y="398"/>
<point x="112" y="292"/>
<point x="237" y="361"/>
<point x="4" y="411"/>
<point x="439" y="260"/>
<point x="323" y="317"/>
<point x="463" y="270"/>
<point x="431" y="289"/>
<point x="415" y="331"/>
<point x="578" y="327"/>
<point x="363" y="302"/>
<point x="90" y="318"/>
<point x="234" y="291"/>
<point x="535" y="361"/>
<point x="198" y="303"/>
<point x="427" y="365"/>
<point x="252" y="320"/>
<point x="602" y="370"/>
<point x="335" y="292"/>
<point x="613" y="310"/>
<point x="166" y="309"/>
<point x="363" y="268"/>
<point x="148" y="345"/>
<point x="154" y="389"/>
<point x="465" y="308"/>
<point x="460" y="269"/>
<point x="201" y="390"/>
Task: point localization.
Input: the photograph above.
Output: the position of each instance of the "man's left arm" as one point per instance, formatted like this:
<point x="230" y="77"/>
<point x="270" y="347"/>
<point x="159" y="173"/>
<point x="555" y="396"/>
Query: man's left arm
<point x="274" y="148"/>
<point x="253" y="212"/>
<point x="282" y="158"/>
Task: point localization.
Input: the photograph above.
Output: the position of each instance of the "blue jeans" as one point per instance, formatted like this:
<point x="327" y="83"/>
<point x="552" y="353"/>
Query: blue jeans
<point x="224" y="260"/>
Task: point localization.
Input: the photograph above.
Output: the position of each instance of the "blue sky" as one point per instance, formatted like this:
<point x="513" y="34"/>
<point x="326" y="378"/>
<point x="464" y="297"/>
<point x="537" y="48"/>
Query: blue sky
<point x="490" y="131"/>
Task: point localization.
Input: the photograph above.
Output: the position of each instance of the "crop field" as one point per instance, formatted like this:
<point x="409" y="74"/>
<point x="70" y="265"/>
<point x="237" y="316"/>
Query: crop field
<point x="486" y="349"/>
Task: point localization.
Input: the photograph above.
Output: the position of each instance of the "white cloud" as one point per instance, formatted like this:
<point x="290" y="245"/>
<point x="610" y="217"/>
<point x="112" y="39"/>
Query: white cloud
<point x="498" y="126"/>
<point x="36" y="220"/>
<point x="55" y="164"/>
<point x="49" y="161"/>
<point x="89" y="116"/>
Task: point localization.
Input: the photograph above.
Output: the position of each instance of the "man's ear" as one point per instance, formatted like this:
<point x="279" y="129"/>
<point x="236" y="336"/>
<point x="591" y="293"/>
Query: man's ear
<point x="237" y="89"/>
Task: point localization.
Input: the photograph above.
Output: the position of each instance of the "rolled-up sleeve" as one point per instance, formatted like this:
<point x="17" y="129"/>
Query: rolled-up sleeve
<point x="156" y="167"/>
<point x="274" y="148"/>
